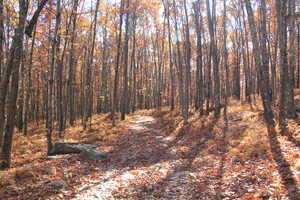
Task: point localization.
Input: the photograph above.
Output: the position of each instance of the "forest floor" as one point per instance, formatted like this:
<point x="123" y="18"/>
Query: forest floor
<point x="152" y="155"/>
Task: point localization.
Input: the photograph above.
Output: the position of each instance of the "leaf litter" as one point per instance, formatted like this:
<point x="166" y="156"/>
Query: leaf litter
<point x="152" y="155"/>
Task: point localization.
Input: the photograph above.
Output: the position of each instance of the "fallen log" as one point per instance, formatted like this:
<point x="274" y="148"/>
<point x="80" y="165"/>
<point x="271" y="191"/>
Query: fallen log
<point x="85" y="150"/>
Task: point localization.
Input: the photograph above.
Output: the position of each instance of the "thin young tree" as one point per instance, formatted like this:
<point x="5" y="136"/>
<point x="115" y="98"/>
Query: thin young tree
<point x="116" y="78"/>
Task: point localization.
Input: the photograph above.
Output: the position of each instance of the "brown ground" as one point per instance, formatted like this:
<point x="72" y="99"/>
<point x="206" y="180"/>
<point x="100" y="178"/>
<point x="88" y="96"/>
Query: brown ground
<point x="153" y="156"/>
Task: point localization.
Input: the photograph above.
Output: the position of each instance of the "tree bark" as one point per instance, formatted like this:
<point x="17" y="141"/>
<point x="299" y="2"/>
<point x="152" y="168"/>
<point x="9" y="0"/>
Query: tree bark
<point x="116" y="80"/>
<point x="214" y="54"/>
<point x="286" y="107"/>
<point x="72" y="65"/>
<point x="124" y="100"/>
<point x="199" y="71"/>
<point x="2" y="39"/>
<point x="261" y="66"/>
<point x="13" y="65"/>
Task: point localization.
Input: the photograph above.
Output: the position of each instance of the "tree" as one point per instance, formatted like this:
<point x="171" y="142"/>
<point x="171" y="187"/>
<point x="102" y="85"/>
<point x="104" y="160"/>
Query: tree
<point x="214" y="53"/>
<point x="261" y="65"/>
<point x="199" y="73"/>
<point x="12" y="70"/>
<point x="116" y="80"/>
<point x="1" y="39"/>
<point x="287" y="108"/>
<point x="124" y="102"/>
<point x="72" y="63"/>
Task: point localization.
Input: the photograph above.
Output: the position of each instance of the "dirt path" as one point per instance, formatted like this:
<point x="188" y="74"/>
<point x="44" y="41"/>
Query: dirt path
<point x="148" y="164"/>
<point x="124" y="169"/>
<point x="204" y="160"/>
<point x="194" y="163"/>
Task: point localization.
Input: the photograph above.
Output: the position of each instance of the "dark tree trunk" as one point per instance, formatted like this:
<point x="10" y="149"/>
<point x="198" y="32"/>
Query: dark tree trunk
<point x="214" y="53"/>
<point x="286" y="108"/>
<point x="2" y="39"/>
<point x="180" y="68"/>
<point x="12" y="68"/>
<point x="199" y="71"/>
<point x="28" y="92"/>
<point x="171" y="64"/>
<point x="72" y="65"/>
<point x="225" y="60"/>
<point x="116" y="80"/>
<point x="261" y="66"/>
<point x="124" y="100"/>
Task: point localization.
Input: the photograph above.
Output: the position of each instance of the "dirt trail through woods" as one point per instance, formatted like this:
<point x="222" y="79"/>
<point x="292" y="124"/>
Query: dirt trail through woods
<point x="193" y="163"/>
<point x="147" y="165"/>
<point x="125" y="162"/>
<point x="154" y="157"/>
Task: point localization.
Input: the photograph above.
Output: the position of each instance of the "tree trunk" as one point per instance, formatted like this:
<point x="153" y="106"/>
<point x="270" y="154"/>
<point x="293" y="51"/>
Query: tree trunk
<point x="214" y="53"/>
<point x="172" y="87"/>
<point x="2" y="39"/>
<point x="72" y="65"/>
<point x="124" y="100"/>
<point x="261" y="66"/>
<point x="199" y="71"/>
<point x="180" y="69"/>
<point x="28" y="85"/>
<point x="116" y="80"/>
<point x="225" y="60"/>
<point x="13" y="65"/>
<point x="286" y="107"/>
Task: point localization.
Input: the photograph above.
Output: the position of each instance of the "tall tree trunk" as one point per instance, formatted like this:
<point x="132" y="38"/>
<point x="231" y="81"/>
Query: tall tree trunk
<point x="237" y="71"/>
<point x="89" y="82"/>
<point x="13" y="65"/>
<point x="133" y="64"/>
<point x="214" y="54"/>
<point x="59" y="73"/>
<point x="291" y="112"/>
<point x="188" y="56"/>
<point x="261" y="66"/>
<point x="298" y="63"/>
<point x="179" y="67"/>
<point x="103" y="96"/>
<point x="116" y="80"/>
<point x="28" y="85"/>
<point x="20" y="99"/>
<point x="72" y="65"/>
<point x="286" y="107"/>
<point x="172" y="87"/>
<point x="1" y="39"/>
<point x="199" y="71"/>
<point x="51" y="92"/>
<point x="225" y="52"/>
<point x="124" y="100"/>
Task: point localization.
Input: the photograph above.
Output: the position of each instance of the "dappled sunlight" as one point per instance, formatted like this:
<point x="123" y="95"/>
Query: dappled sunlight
<point x="151" y="156"/>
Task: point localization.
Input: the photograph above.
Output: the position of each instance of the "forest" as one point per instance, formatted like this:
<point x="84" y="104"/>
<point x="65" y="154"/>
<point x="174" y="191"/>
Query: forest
<point x="150" y="99"/>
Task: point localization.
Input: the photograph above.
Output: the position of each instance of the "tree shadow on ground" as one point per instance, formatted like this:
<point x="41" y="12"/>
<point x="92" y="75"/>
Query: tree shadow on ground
<point x="32" y="184"/>
<point x="283" y="166"/>
<point x="188" y="157"/>
<point x="293" y="140"/>
<point x="198" y="135"/>
<point x="222" y="144"/>
<point x="144" y="149"/>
